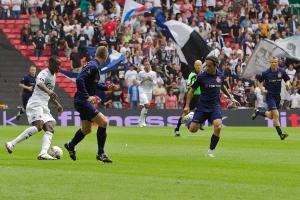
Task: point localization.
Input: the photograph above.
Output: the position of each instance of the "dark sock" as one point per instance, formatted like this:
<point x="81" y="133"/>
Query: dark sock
<point x="279" y="131"/>
<point x="261" y="113"/>
<point x="214" y="141"/>
<point x="101" y="138"/>
<point x="178" y="124"/>
<point x="21" y="111"/>
<point x="77" y="138"/>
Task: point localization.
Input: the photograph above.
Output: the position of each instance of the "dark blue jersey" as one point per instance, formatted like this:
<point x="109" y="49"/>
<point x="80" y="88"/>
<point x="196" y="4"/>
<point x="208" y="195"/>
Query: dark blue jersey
<point x="272" y="80"/>
<point x="28" y="80"/>
<point x="210" y="86"/>
<point x="87" y="81"/>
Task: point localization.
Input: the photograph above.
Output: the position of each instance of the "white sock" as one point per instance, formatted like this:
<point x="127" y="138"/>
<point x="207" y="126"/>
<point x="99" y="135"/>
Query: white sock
<point x="143" y="115"/>
<point x="24" y="135"/>
<point x="46" y="142"/>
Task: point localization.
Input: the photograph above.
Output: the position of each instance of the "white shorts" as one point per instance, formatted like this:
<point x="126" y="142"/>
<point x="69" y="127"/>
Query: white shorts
<point x="36" y="111"/>
<point x="145" y="98"/>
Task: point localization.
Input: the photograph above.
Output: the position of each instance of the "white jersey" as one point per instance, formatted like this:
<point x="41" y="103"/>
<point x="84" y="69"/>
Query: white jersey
<point x="146" y="86"/>
<point x="39" y="95"/>
<point x="261" y="103"/>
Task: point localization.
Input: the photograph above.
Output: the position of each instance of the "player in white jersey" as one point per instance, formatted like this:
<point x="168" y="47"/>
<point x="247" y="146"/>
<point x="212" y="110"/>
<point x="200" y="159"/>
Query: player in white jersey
<point x="38" y="112"/>
<point x="146" y="80"/>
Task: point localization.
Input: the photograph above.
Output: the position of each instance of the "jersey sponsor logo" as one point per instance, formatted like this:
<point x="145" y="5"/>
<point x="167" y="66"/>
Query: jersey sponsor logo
<point x="218" y="79"/>
<point x="279" y="75"/>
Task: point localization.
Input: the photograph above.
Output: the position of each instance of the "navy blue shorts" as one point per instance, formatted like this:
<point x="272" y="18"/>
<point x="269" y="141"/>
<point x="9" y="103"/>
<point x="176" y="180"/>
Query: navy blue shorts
<point x="273" y="101"/>
<point x="200" y="116"/>
<point x="25" y="99"/>
<point x="86" y="110"/>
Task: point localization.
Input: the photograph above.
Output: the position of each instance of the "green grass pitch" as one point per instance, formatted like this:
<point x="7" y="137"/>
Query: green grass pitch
<point x="150" y="163"/>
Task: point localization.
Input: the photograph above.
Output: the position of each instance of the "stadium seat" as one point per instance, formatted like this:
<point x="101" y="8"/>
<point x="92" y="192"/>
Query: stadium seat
<point x="16" y="30"/>
<point x="16" y="42"/>
<point x="20" y="46"/>
<point x="12" y="36"/>
<point x="6" y="30"/>
<point x="33" y="58"/>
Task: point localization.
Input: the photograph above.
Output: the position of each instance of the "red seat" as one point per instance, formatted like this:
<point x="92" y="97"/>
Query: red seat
<point x="6" y="30"/>
<point x="19" y="46"/>
<point x="24" y="16"/>
<point x="33" y="58"/>
<point x="16" y="30"/>
<point x="63" y="59"/>
<point x="12" y="36"/>
<point x="31" y="47"/>
<point x="10" y="21"/>
<point x="43" y="58"/>
<point x="15" y="41"/>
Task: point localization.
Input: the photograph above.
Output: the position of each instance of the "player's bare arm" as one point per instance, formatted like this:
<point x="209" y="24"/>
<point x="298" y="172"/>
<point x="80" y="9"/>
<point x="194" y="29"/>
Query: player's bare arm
<point x="189" y="97"/>
<point x="59" y="107"/>
<point x="25" y="87"/>
<point x="224" y="89"/>
<point x="261" y="87"/>
<point x="288" y="85"/>
<point x="43" y="87"/>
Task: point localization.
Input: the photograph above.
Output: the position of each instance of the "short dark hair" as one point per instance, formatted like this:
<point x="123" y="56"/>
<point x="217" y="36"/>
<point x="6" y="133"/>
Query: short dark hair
<point x="54" y="60"/>
<point x="214" y="59"/>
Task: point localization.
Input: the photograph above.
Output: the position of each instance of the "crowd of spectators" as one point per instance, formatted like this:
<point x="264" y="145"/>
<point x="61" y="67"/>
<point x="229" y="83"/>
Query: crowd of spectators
<point x="232" y="28"/>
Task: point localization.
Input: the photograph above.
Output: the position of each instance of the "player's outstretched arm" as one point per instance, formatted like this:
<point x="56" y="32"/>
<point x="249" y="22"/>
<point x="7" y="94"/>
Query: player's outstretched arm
<point x="44" y="88"/>
<point x="59" y="107"/>
<point x="224" y="89"/>
<point x="189" y="97"/>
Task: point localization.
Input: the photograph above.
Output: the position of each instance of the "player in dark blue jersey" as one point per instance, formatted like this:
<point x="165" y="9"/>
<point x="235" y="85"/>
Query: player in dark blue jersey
<point x="27" y="84"/>
<point x="271" y="87"/>
<point x="85" y="97"/>
<point x="208" y="108"/>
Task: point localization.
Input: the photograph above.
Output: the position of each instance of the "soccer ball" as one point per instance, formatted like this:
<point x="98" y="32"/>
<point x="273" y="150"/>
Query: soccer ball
<point x="55" y="152"/>
<point x="187" y="117"/>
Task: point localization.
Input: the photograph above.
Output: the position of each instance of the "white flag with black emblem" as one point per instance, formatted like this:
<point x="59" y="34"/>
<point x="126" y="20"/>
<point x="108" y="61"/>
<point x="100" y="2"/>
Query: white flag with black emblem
<point x="260" y="59"/>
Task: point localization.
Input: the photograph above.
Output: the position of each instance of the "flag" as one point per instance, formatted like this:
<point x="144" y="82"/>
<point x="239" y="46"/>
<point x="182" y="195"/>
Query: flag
<point x="133" y="8"/>
<point x="291" y="45"/>
<point x="189" y="44"/>
<point x="260" y="59"/>
<point x="112" y="63"/>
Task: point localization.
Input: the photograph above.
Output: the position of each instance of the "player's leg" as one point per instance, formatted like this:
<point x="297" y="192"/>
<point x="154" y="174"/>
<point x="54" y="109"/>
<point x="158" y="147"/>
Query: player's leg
<point x="46" y="141"/>
<point x="215" y="137"/>
<point x="276" y="123"/>
<point x="179" y="122"/>
<point x="102" y="123"/>
<point x="87" y="111"/>
<point x="36" y="127"/>
<point x="86" y="128"/>
<point x="199" y="118"/>
<point x="144" y="102"/>
<point x="34" y="115"/>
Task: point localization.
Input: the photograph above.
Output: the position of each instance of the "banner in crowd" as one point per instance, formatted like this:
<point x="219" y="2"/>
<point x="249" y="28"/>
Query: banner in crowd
<point x="132" y="8"/>
<point x="289" y="118"/>
<point x="260" y="59"/>
<point x="189" y="44"/>
<point x="114" y="60"/>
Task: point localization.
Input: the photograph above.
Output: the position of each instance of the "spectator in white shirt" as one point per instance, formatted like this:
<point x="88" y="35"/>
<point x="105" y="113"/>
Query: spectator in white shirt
<point x="130" y="75"/>
<point x="16" y="8"/>
<point x="295" y="100"/>
<point x="291" y="72"/>
<point x="5" y="4"/>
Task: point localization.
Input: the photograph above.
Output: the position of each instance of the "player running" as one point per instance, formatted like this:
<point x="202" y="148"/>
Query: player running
<point x="191" y="79"/>
<point x="146" y="80"/>
<point x="27" y="84"/>
<point x="208" y="108"/>
<point x="38" y="112"/>
<point x="271" y="87"/>
<point x="87" y="83"/>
